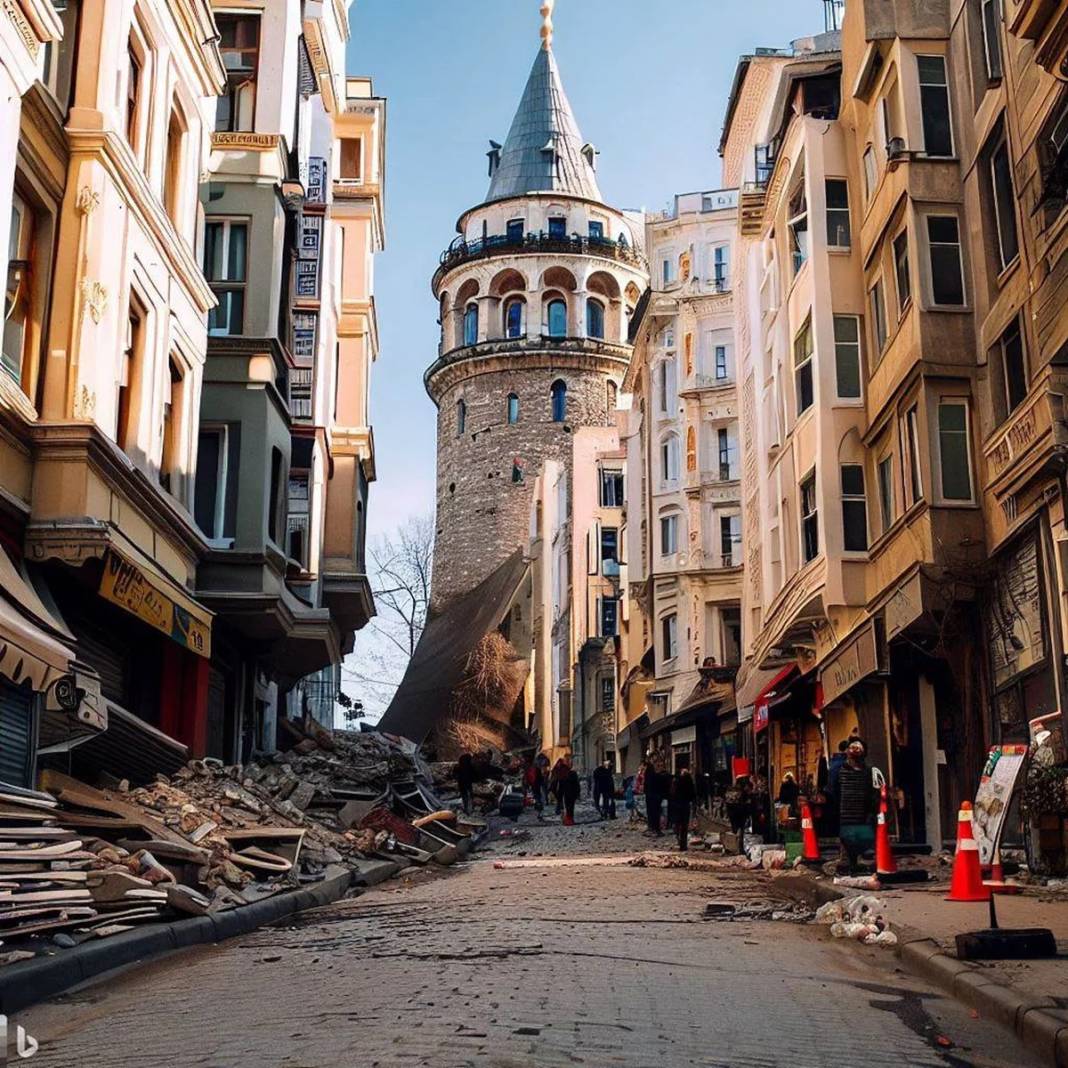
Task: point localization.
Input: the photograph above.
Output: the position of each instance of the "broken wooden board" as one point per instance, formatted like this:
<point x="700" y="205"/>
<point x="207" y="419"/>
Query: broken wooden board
<point x="35" y="834"/>
<point x="31" y="853"/>
<point x="284" y="842"/>
<point x="10" y="813"/>
<point x="114" y="885"/>
<point x="161" y="850"/>
<point x="186" y="899"/>
<point x="260" y="860"/>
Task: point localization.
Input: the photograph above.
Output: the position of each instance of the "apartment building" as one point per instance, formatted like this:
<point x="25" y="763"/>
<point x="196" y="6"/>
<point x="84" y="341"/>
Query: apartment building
<point x="293" y="217"/>
<point x="684" y="514"/>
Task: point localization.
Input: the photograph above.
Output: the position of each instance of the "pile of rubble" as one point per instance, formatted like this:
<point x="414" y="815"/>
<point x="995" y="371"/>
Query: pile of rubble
<point x="78" y="862"/>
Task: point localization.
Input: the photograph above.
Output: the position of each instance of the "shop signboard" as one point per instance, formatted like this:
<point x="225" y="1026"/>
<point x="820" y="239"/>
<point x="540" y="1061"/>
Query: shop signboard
<point x="760" y="717"/>
<point x="992" y="799"/>
<point x="857" y="660"/>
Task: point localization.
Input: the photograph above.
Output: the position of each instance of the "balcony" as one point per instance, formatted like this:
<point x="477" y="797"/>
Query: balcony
<point x="461" y="251"/>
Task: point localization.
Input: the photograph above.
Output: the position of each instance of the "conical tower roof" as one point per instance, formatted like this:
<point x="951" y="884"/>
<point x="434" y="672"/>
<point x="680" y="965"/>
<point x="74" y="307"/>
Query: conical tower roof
<point x="543" y="151"/>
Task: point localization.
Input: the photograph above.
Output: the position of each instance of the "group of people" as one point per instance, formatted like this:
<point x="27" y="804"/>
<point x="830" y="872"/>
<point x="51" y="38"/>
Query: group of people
<point x="679" y="793"/>
<point x="560" y="782"/>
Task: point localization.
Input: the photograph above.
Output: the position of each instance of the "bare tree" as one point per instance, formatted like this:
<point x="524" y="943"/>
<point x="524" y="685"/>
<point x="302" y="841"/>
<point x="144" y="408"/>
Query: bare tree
<point x="400" y="565"/>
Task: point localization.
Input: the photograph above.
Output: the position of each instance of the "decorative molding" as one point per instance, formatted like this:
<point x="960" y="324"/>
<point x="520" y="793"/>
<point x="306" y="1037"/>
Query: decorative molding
<point x="85" y="405"/>
<point x="22" y="27"/>
<point x="88" y="200"/>
<point x="94" y="299"/>
<point x="245" y="141"/>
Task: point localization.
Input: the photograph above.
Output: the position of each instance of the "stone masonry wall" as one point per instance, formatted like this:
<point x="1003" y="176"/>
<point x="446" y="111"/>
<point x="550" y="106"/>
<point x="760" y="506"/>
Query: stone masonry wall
<point x="482" y="515"/>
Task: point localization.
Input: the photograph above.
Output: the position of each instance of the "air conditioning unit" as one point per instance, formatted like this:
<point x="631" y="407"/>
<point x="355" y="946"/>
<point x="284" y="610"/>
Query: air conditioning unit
<point x="895" y="148"/>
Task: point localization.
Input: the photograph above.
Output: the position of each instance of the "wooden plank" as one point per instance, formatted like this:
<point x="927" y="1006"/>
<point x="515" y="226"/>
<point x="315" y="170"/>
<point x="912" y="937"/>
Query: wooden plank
<point x="57" y="851"/>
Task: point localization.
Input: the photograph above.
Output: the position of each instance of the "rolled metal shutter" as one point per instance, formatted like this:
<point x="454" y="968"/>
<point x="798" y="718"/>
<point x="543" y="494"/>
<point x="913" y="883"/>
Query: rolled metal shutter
<point x="16" y="733"/>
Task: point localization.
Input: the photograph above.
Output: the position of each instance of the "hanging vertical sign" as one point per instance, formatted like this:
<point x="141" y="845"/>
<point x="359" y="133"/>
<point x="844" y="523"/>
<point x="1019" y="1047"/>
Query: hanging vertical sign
<point x="316" y="180"/>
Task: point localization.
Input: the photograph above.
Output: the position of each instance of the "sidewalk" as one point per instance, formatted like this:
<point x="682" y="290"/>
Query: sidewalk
<point x="1029" y="997"/>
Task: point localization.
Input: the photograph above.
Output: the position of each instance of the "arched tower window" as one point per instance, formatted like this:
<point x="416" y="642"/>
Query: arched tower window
<point x="612" y="398"/>
<point x="471" y="324"/>
<point x="559" y="398"/>
<point x="594" y="319"/>
<point x="557" y="318"/>
<point x="513" y="318"/>
<point x="461" y="416"/>
<point x="513" y="408"/>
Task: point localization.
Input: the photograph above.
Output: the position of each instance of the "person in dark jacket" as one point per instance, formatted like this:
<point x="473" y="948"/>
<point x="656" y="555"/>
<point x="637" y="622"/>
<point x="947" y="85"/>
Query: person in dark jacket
<point x="683" y="794"/>
<point x="570" y="790"/>
<point x="789" y="792"/>
<point x="604" y="789"/>
<point x="465" y="781"/>
<point x="556" y="783"/>
<point x="857" y="801"/>
<point x="654" y="797"/>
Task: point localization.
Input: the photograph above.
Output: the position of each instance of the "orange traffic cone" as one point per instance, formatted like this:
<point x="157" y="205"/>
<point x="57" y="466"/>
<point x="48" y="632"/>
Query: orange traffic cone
<point x="967" y="883"/>
<point x="884" y="854"/>
<point x="810" y="852"/>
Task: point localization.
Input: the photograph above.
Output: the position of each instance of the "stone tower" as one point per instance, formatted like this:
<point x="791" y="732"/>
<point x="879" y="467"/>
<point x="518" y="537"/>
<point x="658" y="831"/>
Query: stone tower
<point x="535" y="293"/>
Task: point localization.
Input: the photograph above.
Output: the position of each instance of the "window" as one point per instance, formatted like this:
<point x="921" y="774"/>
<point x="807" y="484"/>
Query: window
<point x="669" y="458"/>
<point x="810" y="530"/>
<point x="727" y="451"/>
<point x="854" y="509"/>
<point x="947" y="272"/>
<point x="870" y="173"/>
<point x="731" y="635"/>
<point x="901" y="271"/>
<point x="720" y="267"/>
<point x="134" y="72"/>
<point x="594" y="319"/>
<point x="609" y="551"/>
<point x="668" y="271"/>
<point x="608" y="693"/>
<point x="558" y="394"/>
<point x="914" y="482"/>
<point x="1014" y="366"/>
<point x="170" y="463"/>
<point x="803" y="368"/>
<point x="798" y="227"/>
<point x="514" y="231"/>
<point x="722" y="373"/>
<point x="838" y="235"/>
<point x="212" y="495"/>
<point x="611" y="397"/>
<point x="990" y="18"/>
<point x="274" y="503"/>
<point x="59" y="55"/>
<point x="461" y="417"/>
<point x="609" y="617"/>
<point x="471" y="324"/>
<point x="596" y="230"/>
<point x="1004" y="203"/>
<point x="668" y="385"/>
<point x="24" y="255"/>
<point x="557" y="318"/>
<point x="934" y="106"/>
<point x="669" y="636"/>
<point x="611" y="489"/>
<point x="298" y="517"/>
<point x="669" y="535"/>
<point x="513" y="319"/>
<point x="1053" y="158"/>
<point x="226" y="267"/>
<point x="558" y="227"/>
<point x="878" y="315"/>
<point x="847" y="356"/>
<point x="953" y="450"/>
<point x="513" y="408"/>
<point x="351" y="170"/>
<point x="129" y="384"/>
<point x="239" y="43"/>
<point x="172" y="178"/>
<point x="886" y="492"/>
<point x="730" y="540"/>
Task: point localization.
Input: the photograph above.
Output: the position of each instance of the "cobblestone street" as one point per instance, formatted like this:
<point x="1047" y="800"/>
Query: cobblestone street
<point x="594" y="964"/>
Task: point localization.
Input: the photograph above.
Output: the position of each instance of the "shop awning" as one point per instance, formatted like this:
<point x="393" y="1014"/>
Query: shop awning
<point x="32" y="640"/>
<point x="852" y="662"/>
<point x="147" y="593"/>
<point x="769" y="696"/>
<point x="685" y="717"/>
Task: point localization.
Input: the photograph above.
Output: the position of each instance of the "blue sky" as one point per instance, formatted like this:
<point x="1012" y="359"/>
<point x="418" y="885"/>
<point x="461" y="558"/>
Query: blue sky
<point x="649" y="86"/>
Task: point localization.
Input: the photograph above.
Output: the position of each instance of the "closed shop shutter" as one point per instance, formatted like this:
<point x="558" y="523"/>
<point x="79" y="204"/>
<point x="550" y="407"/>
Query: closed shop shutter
<point x="16" y="734"/>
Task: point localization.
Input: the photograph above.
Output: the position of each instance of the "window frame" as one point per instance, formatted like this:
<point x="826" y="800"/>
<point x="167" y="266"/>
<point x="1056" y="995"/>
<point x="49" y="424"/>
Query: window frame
<point x="877" y="309"/>
<point x="989" y="22"/>
<point x="951" y="400"/>
<point x="885" y="487"/>
<point x="730" y="533"/>
<point x="797" y="227"/>
<point x="670" y="459"/>
<point x="511" y="304"/>
<point x="617" y="480"/>
<point x="808" y="513"/>
<point x="461" y="417"/>
<point x="555" y="302"/>
<point x="932" y="246"/>
<point x="899" y="250"/>
<point x="1014" y="329"/>
<point x="669" y="534"/>
<point x="224" y="284"/>
<point x="870" y="168"/>
<point x="925" y="110"/>
<point x="1004" y="214"/>
<point x="836" y="211"/>
<point x="558" y="401"/>
<point x="804" y="368"/>
<point x="669" y="637"/>
<point x="512" y="408"/>
<point x="839" y="345"/>
<point x="595" y="308"/>
<point x="234" y="87"/>
<point x="911" y="449"/>
<point x="556" y="227"/>
<point x="851" y="498"/>
<point x="471" y="323"/>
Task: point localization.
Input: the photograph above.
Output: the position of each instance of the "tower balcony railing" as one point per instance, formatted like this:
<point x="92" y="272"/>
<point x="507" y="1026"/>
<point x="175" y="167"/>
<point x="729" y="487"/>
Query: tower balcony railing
<point x="462" y="251"/>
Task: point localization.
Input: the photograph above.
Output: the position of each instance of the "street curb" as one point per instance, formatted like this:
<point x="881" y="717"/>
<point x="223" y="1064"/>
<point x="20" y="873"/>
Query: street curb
<point x="1040" y="1030"/>
<point x="33" y="981"/>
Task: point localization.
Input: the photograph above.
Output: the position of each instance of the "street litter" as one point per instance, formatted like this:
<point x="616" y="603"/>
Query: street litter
<point x="860" y="918"/>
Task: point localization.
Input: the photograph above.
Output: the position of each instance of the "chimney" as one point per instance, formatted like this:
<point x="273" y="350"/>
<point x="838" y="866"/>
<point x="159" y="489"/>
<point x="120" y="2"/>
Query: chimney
<point x="590" y="154"/>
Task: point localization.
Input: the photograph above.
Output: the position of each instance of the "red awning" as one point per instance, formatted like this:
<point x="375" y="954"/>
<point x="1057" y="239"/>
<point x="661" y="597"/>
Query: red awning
<point x="760" y="704"/>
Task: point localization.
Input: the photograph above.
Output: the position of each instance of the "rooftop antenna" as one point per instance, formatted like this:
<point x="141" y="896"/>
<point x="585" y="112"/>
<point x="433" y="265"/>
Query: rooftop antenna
<point x="833" y="10"/>
<point x="547" y="24"/>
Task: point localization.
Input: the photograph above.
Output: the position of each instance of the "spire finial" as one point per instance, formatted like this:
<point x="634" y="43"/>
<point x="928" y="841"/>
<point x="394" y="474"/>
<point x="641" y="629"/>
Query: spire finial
<point x="547" y="24"/>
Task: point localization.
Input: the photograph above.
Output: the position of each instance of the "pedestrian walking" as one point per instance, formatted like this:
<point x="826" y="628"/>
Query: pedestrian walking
<point x="541" y="761"/>
<point x="570" y="791"/>
<point x="739" y="802"/>
<point x="857" y="804"/>
<point x="680" y="806"/>
<point x="789" y="792"/>
<point x="653" y="797"/>
<point x="556" y="783"/>
<point x="465" y="781"/>
<point x="604" y="790"/>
